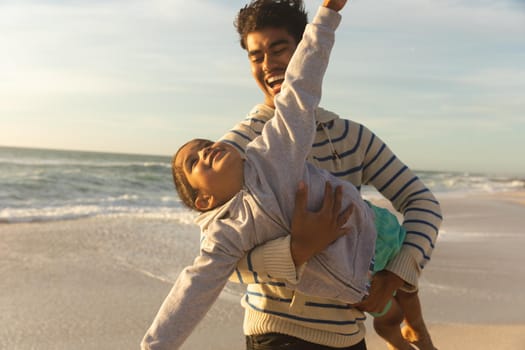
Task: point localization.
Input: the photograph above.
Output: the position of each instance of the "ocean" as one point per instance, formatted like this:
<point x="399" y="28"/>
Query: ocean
<point x="50" y="185"/>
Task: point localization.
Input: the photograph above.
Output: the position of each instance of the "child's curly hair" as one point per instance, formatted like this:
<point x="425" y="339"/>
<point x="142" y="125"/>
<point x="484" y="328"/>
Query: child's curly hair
<point x="186" y="193"/>
<point x="260" y="14"/>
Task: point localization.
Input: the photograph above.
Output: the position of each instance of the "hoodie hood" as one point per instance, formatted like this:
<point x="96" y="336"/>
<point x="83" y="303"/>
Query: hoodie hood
<point x="324" y="116"/>
<point x="265" y="113"/>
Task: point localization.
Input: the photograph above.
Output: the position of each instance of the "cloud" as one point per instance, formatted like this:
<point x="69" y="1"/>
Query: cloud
<point x="467" y="15"/>
<point x="497" y="78"/>
<point x="104" y="47"/>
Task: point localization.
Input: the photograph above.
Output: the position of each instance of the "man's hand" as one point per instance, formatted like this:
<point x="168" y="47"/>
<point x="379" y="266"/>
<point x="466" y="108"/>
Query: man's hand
<point x="313" y="231"/>
<point x="384" y="284"/>
<point x="335" y="5"/>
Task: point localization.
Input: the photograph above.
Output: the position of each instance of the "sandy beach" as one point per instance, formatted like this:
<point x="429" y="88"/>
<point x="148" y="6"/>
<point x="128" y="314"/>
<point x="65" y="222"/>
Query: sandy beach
<point x="69" y="284"/>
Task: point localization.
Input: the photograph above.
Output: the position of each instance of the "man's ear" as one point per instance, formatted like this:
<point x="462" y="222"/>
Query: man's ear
<point x="204" y="201"/>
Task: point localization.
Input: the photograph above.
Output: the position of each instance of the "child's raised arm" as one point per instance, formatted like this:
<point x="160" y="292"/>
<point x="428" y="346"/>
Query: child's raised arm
<point x="287" y="138"/>
<point x="335" y="5"/>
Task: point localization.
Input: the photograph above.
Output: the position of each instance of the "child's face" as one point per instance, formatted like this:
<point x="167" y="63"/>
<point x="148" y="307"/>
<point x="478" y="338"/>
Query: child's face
<point x="215" y="170"/>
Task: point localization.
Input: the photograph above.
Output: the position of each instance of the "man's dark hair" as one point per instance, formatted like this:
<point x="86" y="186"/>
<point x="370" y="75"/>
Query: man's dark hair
<point x="260" y="14"/>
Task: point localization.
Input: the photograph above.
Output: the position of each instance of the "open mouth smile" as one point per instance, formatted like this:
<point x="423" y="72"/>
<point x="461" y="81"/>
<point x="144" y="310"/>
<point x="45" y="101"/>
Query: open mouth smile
<point x="275" y="82"/>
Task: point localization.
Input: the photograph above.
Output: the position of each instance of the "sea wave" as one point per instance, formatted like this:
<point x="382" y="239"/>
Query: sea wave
<point x="76" y="163"/>
<point x="48" y="185"/>
<point x="461" y="183"/>
<point x="71" y="212"/>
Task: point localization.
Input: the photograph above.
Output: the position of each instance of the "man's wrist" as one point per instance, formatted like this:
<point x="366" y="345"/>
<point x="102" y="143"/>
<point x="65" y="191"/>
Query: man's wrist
<point x="405" y="266"/>
<point x="299" y="254"/>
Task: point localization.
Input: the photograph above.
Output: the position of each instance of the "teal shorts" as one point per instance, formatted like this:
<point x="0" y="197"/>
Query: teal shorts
<point x="390" y="237"/>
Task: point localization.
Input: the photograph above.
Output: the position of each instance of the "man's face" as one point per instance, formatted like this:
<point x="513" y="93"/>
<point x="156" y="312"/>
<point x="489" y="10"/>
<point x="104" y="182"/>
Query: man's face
<point x="269" y="52"/>
<point x="215" y="170"/>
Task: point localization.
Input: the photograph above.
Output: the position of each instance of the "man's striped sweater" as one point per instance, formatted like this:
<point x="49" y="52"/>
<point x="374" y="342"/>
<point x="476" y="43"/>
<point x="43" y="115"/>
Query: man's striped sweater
<point x="352" y="152"/>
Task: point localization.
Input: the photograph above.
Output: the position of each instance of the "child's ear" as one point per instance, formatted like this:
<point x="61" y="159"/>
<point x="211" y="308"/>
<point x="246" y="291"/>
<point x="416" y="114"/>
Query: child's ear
<point x="204" y="201"/>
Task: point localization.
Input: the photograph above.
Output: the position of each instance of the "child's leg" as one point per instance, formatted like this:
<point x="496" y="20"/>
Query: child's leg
<point x="388" y="326"/>
<point x="415" y="330"/>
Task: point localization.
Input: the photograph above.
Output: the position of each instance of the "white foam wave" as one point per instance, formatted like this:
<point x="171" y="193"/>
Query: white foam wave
<point x="79" y="163"/>
<point x="14" y="215"/>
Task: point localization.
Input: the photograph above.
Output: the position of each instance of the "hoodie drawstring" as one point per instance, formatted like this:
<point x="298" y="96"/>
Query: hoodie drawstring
<point x="335" y="156"/>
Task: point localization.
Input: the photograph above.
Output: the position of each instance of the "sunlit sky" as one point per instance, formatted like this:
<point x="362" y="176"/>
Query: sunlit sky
<point x="441" y="81"/>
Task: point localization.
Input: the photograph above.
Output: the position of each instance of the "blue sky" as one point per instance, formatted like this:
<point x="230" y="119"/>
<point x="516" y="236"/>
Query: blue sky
<point x="441" y="81"/>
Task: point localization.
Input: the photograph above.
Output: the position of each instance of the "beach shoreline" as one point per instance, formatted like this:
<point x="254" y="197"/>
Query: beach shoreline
<point x="93" y="283"/>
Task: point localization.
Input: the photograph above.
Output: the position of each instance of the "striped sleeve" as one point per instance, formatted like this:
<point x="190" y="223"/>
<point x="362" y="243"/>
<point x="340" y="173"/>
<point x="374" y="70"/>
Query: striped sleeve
<point x="409" y="196"/>
<point x="248" y="129"/>
<point x="256" y="265"/>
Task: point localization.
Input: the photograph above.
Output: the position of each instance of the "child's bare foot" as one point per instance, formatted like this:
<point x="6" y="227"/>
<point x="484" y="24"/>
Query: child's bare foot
<point x="420" y="339"/>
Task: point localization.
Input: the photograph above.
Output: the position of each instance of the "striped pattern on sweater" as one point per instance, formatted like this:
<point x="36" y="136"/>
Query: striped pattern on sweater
<point x="352" y="152"/>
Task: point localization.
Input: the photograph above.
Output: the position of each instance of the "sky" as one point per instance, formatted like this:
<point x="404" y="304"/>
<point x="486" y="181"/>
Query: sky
<point x="442" y="82"/>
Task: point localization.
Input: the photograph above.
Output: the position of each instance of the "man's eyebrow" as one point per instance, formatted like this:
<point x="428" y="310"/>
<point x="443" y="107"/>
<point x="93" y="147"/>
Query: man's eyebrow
<point x="279" y="42"/>
<point x="272" y="45"/>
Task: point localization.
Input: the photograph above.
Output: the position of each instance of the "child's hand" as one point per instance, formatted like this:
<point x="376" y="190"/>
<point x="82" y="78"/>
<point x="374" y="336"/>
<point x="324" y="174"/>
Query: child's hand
<point x="335" y="5"/>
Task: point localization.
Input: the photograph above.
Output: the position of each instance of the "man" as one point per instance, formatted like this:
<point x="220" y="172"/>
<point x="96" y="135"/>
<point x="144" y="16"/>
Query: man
<point x="275" y="317"/>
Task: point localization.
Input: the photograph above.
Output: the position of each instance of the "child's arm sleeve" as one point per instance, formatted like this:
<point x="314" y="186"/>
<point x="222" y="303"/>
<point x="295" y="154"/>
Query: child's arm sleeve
<point x="190" y="298"/>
